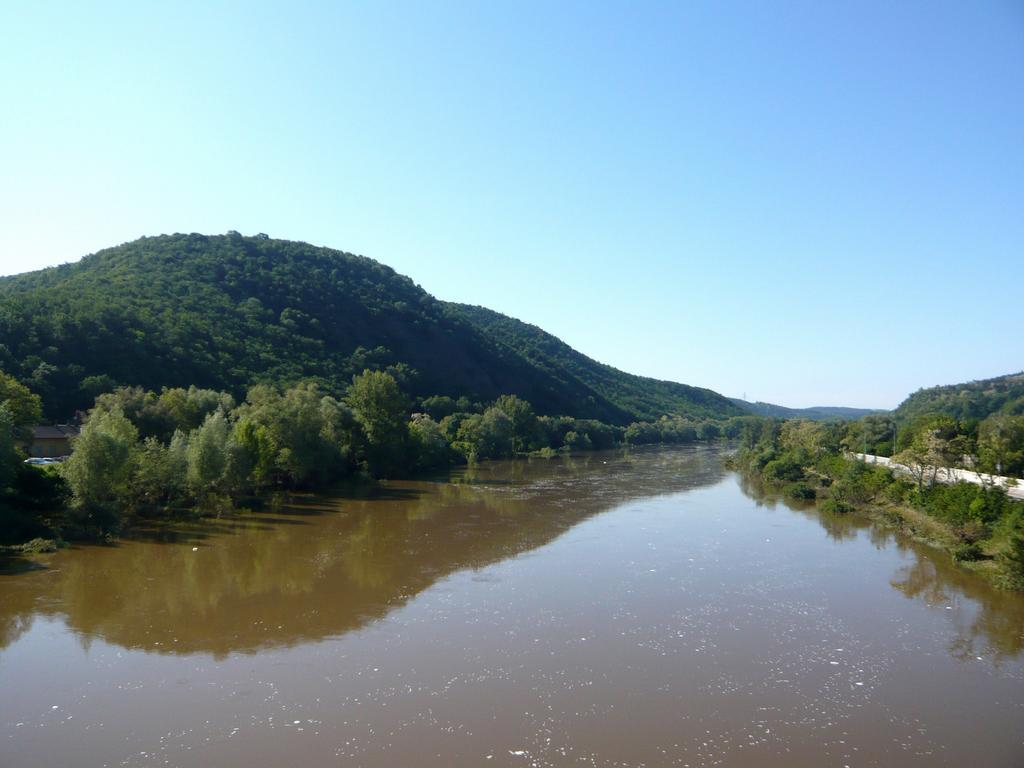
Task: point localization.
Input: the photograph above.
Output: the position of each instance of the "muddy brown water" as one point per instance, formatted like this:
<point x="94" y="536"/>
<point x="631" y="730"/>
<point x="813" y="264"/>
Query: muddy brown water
<point x="641" y="609"/>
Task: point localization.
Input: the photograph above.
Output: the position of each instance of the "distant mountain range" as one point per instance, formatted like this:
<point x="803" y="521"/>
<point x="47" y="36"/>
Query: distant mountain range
<point x="817" y="413"/>
<point x="227" y="311"/>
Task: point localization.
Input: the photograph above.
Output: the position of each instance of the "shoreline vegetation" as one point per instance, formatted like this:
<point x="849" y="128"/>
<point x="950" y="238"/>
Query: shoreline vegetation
<point x="979" y="526"/>
<point x="144" y="456"/>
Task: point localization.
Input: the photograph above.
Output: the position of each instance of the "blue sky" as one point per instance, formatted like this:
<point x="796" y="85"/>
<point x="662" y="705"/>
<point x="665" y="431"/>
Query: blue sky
<point x="807" y="202"/>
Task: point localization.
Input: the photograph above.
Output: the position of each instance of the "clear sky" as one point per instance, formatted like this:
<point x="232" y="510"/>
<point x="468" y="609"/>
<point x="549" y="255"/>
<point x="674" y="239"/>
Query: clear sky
<point x="807" y="202"/>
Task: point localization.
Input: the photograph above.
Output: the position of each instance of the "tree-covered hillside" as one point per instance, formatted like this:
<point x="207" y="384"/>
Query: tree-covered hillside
<point x="968" y="401"/>
<point x="227" y="311"/>
<point x="814" y="413"/>
<point x="636" y="395"/>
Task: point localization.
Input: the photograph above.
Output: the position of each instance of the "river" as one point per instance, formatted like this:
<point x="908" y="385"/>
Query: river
<point x="615" y="609"/>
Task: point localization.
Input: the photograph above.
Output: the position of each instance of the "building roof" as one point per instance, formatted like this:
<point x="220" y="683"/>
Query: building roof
<point x="57" y="432"/>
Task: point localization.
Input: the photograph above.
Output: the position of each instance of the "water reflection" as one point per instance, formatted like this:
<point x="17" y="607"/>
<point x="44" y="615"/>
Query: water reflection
<point x="986" y="621"/>
<point x="320" y="566"/>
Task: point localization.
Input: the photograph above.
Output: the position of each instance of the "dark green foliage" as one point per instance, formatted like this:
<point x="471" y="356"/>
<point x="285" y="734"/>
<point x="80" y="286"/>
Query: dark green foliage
<point x="858" y="483"/>
<point x="553" y="433"/>
<point x="1000" y="441"/>
<point x="440" y="406"/>
<point x="601" y="436"/>
<point x="835" y="506"/>
<point x="782" y="470"/>
<point x="670" y="431"/>
<point x="525" y="428"/>
<point x="382" y="410"/>
<point x="1012" y="556"/>
<point x="32" y="505"/>
<point x="226" y="312"/>
<point x="642" y="433"/>
<point x="24" y="408"/>
<point x="967" y="552"/>
<point x="577" y="441"/>
<point x="972" y="400"/>
<point x="31" y="498"/>
<point x="604" y="392"/>
<point x="801" y="491"/>
<point x="963" y="503"/>
<point x="875" y="434"/>
<point x="709" y="431"/>
<point x="1010" y="552"/>
<point x="429" y="449"/>
<point x="817" y="413"/>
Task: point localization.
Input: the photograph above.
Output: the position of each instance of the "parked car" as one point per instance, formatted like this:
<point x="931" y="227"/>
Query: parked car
<point x="35" y="462"/>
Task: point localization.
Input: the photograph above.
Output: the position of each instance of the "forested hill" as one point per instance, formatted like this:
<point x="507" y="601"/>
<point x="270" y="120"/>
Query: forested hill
<point x="815" y="413"/>
<point x="226" y="311"/>
<point x="971" y="400"/>
<point x="644" y="397"/>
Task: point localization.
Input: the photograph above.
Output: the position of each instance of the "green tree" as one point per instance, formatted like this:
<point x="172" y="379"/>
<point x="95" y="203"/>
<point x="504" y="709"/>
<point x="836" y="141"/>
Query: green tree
<point x="257" y="459"/>
<point x="187" y="408"/>
<point x="160" y="478"/>
<point x="141" y="407"/>
<point x="31" y="498"/>
<point x="1001" y="444"/>
<point x="100" y="468"/>
<point x="708" y="431"/>
<point x="642" y="433"/>
<point x="873" y="434"/>
<point x="1012" y="556"/>
<point x="429" y="446"/>
<point x="382" y="410"/>
<point x="25" y="407"/>
<point x="9" y="456"/>
<point x="577" y="441"/>
<point x="523" y="421"/>
<point x="311" y="434"/>
<point x="804" y="440"/>
<point x="208" y="454"/>
<point x="485" y="436"/>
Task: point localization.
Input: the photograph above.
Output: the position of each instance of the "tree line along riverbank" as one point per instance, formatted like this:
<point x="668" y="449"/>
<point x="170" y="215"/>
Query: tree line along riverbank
<point x="186" y="452"/>
<point x="144" y="455"/>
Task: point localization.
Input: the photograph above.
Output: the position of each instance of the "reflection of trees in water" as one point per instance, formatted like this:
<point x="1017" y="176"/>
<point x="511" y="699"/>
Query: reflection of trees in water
<point x="318" y="566"/>
<point x="838" y="527"/>
<point x="996" y="626"/>
<point x="995" y="623"/>
<point x="13" y="626"/>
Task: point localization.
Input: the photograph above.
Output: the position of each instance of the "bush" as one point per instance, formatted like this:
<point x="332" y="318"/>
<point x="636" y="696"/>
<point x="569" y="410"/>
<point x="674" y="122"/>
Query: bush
<point x="967" y="552"/>
<point x="801" y="491"/>
<point x="577" y="441"/>
<point x="835" y="506"/>
<point x="782" y="470"/>
<point x="1012" y="556"/>
<point x="961" y="503"/>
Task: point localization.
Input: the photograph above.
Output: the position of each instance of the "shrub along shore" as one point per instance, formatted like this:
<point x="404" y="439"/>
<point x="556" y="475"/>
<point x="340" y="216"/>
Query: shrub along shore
<point x="978" y="525"/>
<point x="189" y="452"/>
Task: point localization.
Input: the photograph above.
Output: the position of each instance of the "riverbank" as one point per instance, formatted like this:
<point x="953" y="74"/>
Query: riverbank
<point x="979" y="526"/>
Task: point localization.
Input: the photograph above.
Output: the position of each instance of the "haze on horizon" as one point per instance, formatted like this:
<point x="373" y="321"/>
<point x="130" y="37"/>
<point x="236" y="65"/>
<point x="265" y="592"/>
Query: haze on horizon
<point x="810" y="205"/>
